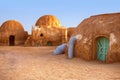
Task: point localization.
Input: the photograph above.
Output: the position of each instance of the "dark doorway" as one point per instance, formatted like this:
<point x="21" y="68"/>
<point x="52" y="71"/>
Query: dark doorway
<point x="49" y="43"/>
<point x="12" y="40"/>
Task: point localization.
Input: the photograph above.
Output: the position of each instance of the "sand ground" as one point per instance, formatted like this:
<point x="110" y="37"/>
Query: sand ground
<point x="39" y="63"/>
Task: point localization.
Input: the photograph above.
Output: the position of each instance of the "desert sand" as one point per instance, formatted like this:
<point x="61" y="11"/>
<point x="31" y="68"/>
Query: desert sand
<point x="39" y="63"/>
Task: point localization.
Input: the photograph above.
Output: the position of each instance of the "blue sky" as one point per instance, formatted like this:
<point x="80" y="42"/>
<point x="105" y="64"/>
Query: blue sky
<point x="69" y="12"/>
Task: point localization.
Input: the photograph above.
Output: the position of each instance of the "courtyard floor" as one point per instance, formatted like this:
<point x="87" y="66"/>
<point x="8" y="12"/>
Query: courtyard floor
<point x="39" y="63"/>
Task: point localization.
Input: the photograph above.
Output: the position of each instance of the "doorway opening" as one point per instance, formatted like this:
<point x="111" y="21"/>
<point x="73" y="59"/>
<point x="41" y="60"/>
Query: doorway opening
<point x="49" y="43"/>
<point x="11" y="40"/>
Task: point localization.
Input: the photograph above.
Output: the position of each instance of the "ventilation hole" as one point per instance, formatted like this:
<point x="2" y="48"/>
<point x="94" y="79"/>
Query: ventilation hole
<point x="41" y="35"/>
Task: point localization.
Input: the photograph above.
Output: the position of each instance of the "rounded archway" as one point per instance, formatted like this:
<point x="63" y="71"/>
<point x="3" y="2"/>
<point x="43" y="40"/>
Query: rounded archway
<point x="102" y="48"/>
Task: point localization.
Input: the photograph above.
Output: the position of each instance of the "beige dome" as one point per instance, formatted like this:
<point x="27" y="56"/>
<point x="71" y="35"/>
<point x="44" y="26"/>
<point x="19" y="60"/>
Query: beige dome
<point x="48" y="20"/>
<point x="11" y="25"/>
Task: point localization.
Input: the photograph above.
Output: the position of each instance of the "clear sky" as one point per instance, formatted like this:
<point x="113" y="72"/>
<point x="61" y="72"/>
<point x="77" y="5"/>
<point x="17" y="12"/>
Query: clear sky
<point x="69" y="12"/>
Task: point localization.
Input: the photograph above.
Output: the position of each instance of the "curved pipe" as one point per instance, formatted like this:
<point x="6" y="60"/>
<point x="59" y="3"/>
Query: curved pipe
<point x="60" y="49"/>
<point x="71" y="47"/>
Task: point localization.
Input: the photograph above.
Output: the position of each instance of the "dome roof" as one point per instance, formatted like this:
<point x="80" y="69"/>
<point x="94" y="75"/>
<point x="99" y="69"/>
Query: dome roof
<point x="11" y="25"/>
<point x="48" y="20"/>
<point x="100" y="24"/>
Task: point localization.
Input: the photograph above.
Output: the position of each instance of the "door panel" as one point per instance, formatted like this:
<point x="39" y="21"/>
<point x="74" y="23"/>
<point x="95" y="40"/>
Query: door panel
<point x="102" y="48"/>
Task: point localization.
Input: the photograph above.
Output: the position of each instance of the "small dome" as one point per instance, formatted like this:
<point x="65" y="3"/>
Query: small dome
<point x="48" y="20"/>
<point x="11" y="25"/>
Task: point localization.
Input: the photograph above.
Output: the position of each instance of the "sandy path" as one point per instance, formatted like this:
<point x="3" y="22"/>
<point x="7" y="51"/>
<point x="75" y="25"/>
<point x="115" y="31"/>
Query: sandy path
<point x="38" y="63"/>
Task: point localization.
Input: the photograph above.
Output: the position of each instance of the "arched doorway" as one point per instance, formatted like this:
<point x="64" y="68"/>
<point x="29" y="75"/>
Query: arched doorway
<point x="102" y="48"/>
<point x="11" y="40"/>
<point x="49" y="43"/>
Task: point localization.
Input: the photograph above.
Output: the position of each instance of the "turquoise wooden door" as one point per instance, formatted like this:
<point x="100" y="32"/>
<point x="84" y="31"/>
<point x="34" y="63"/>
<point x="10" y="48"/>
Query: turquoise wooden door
<point x="102" y="48"/>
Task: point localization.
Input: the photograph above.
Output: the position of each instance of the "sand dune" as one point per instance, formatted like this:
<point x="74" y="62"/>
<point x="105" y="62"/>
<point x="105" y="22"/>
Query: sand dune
<point x="38" y="63"/>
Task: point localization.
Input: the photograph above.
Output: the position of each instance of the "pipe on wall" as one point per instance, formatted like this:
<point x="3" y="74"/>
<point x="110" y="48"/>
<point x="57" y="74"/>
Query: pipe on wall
<point x="71" y="47"/>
